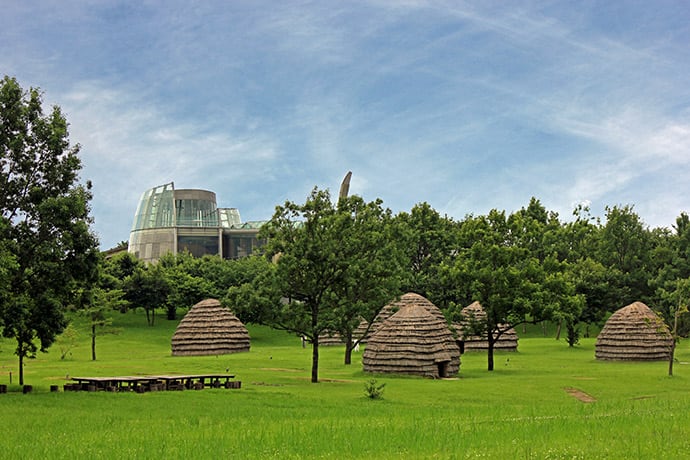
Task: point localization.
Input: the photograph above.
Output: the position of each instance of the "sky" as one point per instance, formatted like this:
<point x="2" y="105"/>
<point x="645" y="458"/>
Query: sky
<point x="467" y="106"/>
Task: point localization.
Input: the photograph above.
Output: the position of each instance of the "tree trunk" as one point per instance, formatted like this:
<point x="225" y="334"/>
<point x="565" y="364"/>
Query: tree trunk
<point x="315" y="359"/>
<point x="490" y="352"/>
<point x="673" y="344"/>
<point x="93" y="342"/>
<point x="558" y="330"/>
<point x="21" y="366"/>
<point x="348" y="349"/>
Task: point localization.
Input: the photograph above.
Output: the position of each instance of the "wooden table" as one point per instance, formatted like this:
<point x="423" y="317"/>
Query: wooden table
<point x="144" y="383"/>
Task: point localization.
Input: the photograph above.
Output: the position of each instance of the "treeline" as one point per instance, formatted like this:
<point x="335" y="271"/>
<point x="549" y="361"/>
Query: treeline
<point x="329" y="265"/>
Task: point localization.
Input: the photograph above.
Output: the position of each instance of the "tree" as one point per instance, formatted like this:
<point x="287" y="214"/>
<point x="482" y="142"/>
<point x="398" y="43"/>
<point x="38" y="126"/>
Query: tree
<point x="426" y="238"/>
<point x="147" y="288"/>
<point x="103" y="303"/>
<point x="674" y="254"/>
<point x="624" y="248"/>
<point x="185" y="289"/>
<point x="329" y="268"/>
<point x="119" y="267"/>
<point x="67" y="340"/>
<point x="373" y="271"/>
<point x="680" y="295"/>
<point x="44" y="215"/>
<point x="498" y="264"/>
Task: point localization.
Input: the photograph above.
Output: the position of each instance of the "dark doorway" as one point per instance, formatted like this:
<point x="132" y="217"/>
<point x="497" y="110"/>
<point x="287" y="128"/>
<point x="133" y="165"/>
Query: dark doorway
<point x="442" y="369"/>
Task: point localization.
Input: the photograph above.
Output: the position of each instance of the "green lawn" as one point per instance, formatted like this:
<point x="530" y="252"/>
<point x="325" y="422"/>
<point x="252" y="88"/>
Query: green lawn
<point x="521" y="410"/>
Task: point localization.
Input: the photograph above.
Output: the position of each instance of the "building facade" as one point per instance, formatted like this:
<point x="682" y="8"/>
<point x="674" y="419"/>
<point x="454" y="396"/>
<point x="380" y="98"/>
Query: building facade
<point x="175" y="221"/>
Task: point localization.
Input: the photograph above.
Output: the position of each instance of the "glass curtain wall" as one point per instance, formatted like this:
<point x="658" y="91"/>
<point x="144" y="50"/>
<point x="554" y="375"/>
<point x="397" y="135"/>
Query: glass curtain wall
<point x="155" y="208"/>
<point x="196" y="213"/>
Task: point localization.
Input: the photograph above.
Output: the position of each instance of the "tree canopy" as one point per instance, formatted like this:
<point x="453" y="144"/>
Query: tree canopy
<point x="46" y="245"/>
<point x="334" y="266"/>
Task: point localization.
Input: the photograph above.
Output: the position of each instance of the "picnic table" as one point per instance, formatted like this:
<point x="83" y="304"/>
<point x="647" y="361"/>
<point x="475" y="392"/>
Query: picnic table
<point x="143" y="383"/>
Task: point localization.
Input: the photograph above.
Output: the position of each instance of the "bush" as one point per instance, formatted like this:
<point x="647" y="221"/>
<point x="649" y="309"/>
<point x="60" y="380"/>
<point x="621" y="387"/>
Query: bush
<point x="373" y="390"/>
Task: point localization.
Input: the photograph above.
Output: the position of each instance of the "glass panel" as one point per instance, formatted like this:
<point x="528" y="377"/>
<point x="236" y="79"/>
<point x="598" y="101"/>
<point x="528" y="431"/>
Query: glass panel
<point x="237" y="246"/>
<point x="198" y="246"/>
<point x="229" y="217"/>
<point x="196" y="213"/>
<point x="155" y="209"/>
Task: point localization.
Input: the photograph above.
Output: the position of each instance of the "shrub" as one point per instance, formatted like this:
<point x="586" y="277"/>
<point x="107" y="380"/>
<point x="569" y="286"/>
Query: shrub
<point x="373" y="390"/>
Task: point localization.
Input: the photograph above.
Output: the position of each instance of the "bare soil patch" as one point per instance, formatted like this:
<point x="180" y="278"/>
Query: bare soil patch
<point x="280" y="369"/>
<point x="579" y="394"/>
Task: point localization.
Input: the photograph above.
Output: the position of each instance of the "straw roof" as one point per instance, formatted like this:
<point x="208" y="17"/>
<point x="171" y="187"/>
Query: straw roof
<point x="412" y="341"/>
<point x="328" y="338"/>
<point x="634" y="333"/>
<point x="208" y="328"/>
<point x="508" y="341"/>
<point x="333" y="338"/>
<point x="405" y="300"/>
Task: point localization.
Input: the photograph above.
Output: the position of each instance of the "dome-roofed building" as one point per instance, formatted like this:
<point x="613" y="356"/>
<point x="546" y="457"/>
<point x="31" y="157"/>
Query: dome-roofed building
<point x="208" y="328"/>
<point x="413" y="341"/>
<point x="474" y="313"/>
<point x="170" y="220"/>
<point x="634" y="333"/>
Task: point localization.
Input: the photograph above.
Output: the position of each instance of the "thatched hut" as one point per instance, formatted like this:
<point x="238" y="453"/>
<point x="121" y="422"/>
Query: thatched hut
<point x="634" y="333"/>
<point x="474" y="313"/>
<point x="412" y="341"/>
<point x="208" y="328"/>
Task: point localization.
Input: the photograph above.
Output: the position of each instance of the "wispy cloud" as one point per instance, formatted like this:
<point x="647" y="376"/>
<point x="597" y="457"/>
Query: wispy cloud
<point x="466" y="105"/>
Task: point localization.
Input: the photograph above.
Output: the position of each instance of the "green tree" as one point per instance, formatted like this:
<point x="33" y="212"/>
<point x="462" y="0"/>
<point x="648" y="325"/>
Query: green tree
<point x="625" y="246"/>
<point x="501" y="263"/>
<point x="97" y="311"/>
<point x="329" y="268"/>
<point x="373" y="272"/>
<point x="44" y="215"/>
<point x="255" y="300"/>
<point x="148" y="288"/>
<point x="674" y="257"/>
<point x="426" y="238"/>
<point x="185" y="288"/>
<point x="679" y="296"/>
<point x="119" y="267"/>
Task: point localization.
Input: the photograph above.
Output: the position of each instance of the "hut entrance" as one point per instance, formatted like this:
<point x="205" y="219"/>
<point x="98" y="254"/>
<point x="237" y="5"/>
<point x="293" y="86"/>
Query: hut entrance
<point x="443" y="369"/>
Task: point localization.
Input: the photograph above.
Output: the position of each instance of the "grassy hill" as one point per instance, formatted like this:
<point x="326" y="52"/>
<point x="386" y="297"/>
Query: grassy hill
<point x="531" y="406"/>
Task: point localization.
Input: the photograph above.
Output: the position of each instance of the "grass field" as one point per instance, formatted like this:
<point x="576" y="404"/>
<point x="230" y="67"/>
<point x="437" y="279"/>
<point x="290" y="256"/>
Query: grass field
<point x="527" y="408"/>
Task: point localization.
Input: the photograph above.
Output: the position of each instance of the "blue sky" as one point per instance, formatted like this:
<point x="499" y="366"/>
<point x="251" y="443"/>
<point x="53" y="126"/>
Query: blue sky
<point x="468" y="106"/>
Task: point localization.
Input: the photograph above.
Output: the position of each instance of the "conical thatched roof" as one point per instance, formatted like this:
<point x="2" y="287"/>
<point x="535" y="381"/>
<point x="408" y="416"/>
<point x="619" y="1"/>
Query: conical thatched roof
<point x="412" y="341"/>
<point x="508" y="341"/>
<point x="634" y="333"/>
<point x="333" y="338"/>
<point x="330" y="338"/>
<point x="405" y="300"/>
<point x="208" y="328"/>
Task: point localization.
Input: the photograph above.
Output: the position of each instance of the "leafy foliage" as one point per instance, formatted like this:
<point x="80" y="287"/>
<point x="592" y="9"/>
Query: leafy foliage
<point x="373" y="389"/>
<point x="46" y="246"/>
<point x="334" y="266"/>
